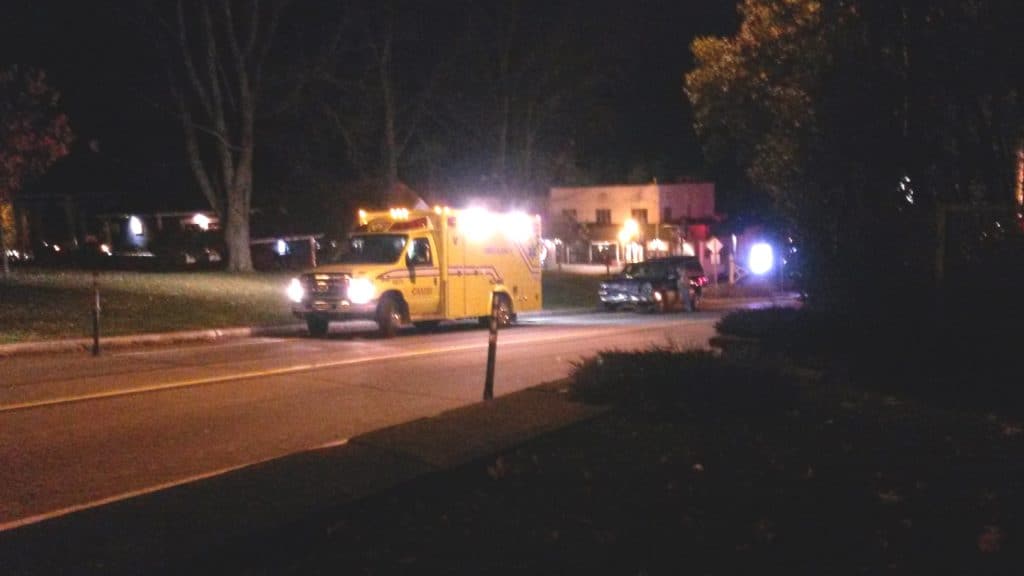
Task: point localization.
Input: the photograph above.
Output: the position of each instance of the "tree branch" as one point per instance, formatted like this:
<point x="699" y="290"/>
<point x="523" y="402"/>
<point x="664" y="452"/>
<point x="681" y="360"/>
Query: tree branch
<point x="186" y="57"/>
<point x="219" y="121"/>
<point x="193" y="152"/>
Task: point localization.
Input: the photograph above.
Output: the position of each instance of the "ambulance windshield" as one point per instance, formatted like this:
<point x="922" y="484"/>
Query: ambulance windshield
<point x="371" y="249"/>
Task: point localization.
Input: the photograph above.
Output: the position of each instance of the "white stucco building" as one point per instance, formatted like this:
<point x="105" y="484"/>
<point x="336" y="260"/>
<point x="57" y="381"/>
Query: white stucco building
<point x="669" y="218"/>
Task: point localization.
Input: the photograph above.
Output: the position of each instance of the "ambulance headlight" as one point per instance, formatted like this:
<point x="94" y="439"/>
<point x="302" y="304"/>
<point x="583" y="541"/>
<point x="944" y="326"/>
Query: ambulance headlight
<point x="295" y="290"/>
<point x="360" y="290"/>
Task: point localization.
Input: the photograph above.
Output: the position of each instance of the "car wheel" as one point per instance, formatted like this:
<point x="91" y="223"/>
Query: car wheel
<point x="317" y="326"/>
<point x="694" y="300"/>
<point x="659" y="305"/>
<point x="608" y="306"/>
<point x="389" y="318"/>
<point x="646" y="297"/>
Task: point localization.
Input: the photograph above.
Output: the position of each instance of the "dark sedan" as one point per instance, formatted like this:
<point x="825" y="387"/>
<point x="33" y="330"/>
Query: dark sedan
<point x="653" y="285"/>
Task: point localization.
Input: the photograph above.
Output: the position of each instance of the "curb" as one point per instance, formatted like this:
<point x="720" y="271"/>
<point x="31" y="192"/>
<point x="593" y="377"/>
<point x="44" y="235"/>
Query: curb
<point x="135" y="340"/>
<point x="215" y="334"/>
<point x="204" y="335"/>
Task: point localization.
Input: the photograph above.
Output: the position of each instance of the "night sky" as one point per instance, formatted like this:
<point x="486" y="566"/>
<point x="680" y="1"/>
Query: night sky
<point x="105" y="65"/>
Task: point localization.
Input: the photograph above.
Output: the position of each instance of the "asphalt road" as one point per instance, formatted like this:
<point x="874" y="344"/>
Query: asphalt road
<point x="78" y="432"/>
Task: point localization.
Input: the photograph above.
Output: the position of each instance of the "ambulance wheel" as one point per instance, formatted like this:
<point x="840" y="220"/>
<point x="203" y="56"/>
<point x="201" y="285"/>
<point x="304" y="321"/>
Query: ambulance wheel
<point x="504" y="314"/>
<point x="389" y="318"/>
<point x="317" y="326"/>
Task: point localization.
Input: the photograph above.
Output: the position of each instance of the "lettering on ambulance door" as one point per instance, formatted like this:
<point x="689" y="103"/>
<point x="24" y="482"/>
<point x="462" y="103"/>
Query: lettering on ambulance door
<point x="424" y="295"/>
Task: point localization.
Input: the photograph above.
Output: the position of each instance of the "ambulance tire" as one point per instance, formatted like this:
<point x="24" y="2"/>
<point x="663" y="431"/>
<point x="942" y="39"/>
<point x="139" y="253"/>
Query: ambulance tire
<point x="318" y="326"/>
<point x="505" y="314"/>
<point x="389" y="317"/>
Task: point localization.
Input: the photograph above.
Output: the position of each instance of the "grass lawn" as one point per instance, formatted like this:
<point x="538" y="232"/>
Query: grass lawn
<point x="695" y="473"/>
<point x="45" y="304"/>
<point x="58" y="304"/>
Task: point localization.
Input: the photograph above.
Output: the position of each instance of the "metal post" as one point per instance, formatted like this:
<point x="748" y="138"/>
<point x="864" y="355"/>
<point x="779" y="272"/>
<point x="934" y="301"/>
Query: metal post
<point x="492" y="348"/>
<point x="96" y="314"/>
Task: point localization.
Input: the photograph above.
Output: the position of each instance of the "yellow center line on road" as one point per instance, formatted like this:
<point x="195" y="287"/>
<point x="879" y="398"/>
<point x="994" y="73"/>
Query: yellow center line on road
<point x="298" y="368"/>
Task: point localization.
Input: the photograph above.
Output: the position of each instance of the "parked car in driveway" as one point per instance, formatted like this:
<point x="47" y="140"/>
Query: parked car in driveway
<point x="653" y="285"/>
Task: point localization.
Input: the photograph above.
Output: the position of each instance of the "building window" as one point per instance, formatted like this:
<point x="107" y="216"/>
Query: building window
<point x="666" y="214"/>
<point x="569" y="213"/>
<point x="640" y="215"/>
<point x="604" y="216"/>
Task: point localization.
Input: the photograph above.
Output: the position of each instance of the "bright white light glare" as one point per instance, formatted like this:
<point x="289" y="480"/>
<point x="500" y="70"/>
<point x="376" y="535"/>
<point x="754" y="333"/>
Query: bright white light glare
<point x="295" y="291"/>
<point x="105" y="249"/>
<point x="688" y="249"/>
<point x="761" y="258"/>
<point x="282" y="247"/>
<point x="399" y="213"/>
<point x="202" y="221"/>
<point x="630" y="229"/>
<point x="477" y="224"/>
<point x="517" y="226"/>
<point x="360" y="290"/>
<point x="906" y="189"/>
<point x="135" y="225"/>
<point x="56" y="248"/>
<point x="657" y="245"/>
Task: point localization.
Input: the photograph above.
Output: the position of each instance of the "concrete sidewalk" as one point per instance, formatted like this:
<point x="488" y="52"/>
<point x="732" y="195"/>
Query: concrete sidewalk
<point x="171" y="530"/>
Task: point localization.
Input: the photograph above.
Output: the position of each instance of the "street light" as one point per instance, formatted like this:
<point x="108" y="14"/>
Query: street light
<point x="630" y="229"/>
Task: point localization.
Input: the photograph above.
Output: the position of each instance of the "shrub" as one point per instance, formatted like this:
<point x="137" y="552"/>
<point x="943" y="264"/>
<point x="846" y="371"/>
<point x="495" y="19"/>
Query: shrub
<point x="664" y="378"/>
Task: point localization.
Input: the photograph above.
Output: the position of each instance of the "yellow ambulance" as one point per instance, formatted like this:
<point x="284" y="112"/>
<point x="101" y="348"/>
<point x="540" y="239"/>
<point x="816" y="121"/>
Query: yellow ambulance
<point x="420" y="267"/>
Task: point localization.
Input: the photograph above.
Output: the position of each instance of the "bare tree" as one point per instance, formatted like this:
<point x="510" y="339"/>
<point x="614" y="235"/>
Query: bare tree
<point x="216" y="57"/>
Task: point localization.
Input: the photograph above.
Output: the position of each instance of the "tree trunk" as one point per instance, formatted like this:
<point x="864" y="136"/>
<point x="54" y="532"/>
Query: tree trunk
<point x="3" y="251"/>
<point x="390" y="139"/>
<point x="390" y="142"/>
<point x="237" y="234"/>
